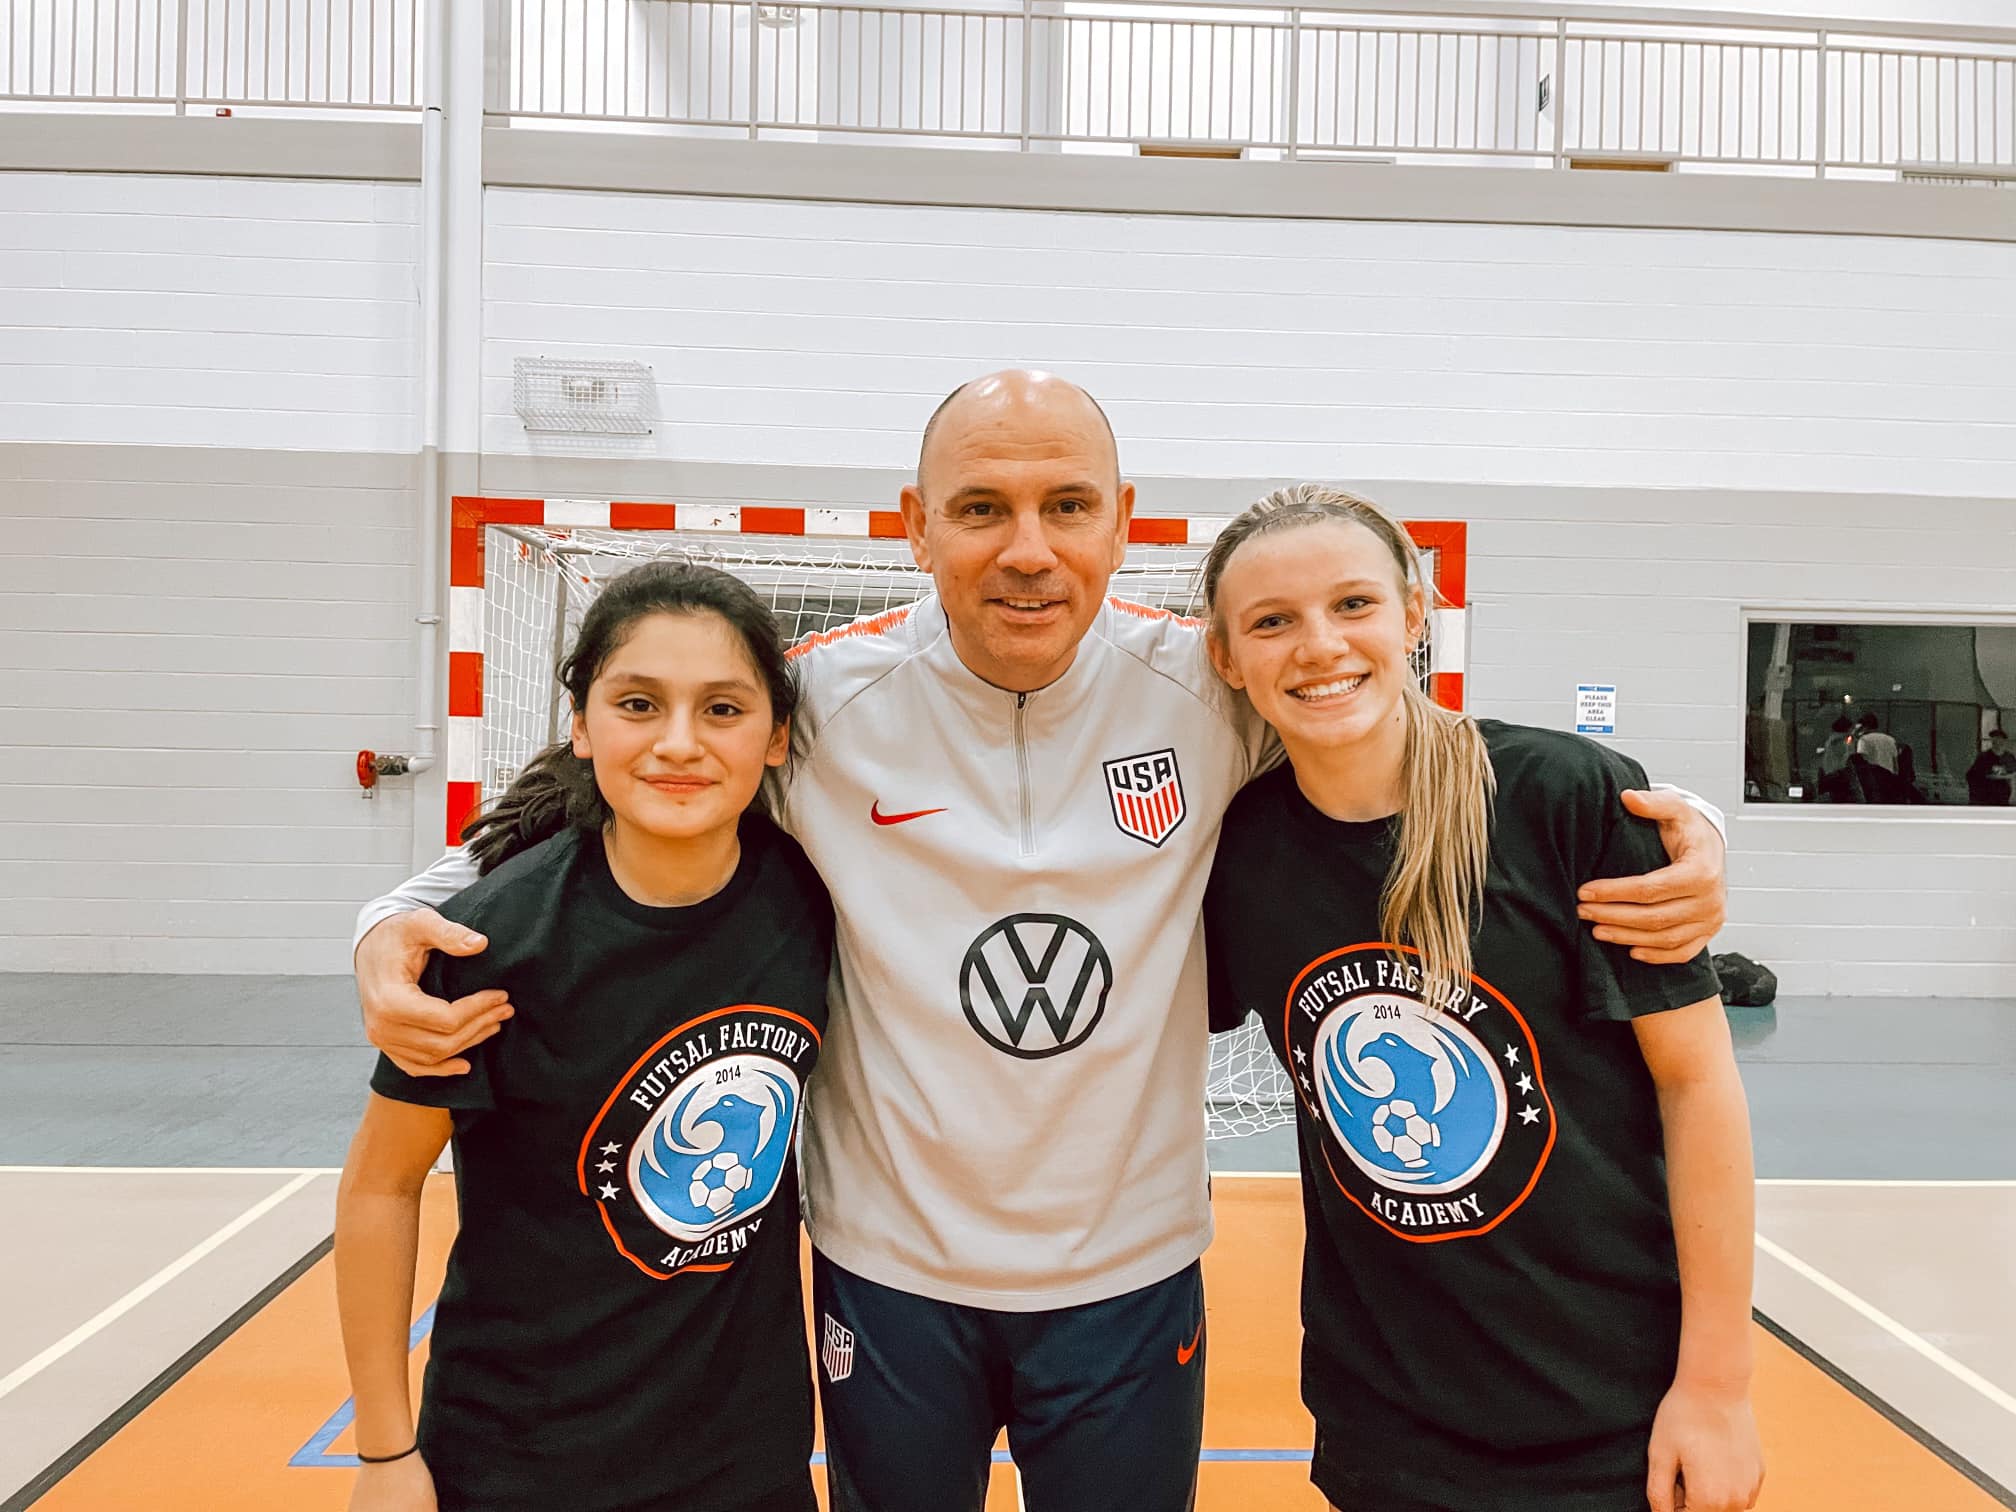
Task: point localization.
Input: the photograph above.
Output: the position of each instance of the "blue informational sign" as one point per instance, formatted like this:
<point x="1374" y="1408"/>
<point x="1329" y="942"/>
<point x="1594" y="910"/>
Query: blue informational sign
<point x="1595" y="708"/>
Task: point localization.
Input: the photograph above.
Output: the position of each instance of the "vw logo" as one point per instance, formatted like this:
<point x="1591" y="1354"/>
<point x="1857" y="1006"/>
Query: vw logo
<point x="1035" y="985"/>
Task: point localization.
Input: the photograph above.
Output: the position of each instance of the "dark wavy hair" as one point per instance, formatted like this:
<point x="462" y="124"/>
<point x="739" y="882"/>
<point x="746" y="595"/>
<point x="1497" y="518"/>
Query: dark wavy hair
<point x="556" y="788"/>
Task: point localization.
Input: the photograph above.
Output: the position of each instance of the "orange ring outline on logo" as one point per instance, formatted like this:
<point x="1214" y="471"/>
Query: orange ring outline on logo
<point x="581" y="1162"/>
<point x="1539" y="1080"/>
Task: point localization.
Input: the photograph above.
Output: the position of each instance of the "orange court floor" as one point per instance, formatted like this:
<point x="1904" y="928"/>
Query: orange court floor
<point x="255" y="1417"/>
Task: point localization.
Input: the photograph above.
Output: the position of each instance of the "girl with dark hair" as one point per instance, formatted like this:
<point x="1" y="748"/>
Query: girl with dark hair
<point x="1525" y="1152"/>
<point x="621" y="1327"/>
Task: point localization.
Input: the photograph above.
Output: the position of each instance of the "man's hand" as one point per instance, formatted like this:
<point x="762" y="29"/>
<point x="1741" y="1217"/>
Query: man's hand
<point x="1669" y="915"/>
<point x="423" y="1035"/>
<point x="1705" y="1455"/>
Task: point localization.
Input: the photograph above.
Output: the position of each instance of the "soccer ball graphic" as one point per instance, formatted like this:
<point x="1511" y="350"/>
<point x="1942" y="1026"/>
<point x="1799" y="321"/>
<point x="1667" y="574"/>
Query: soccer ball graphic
<point x="1398" y="1129"/>
<point x="717" y="1179"/>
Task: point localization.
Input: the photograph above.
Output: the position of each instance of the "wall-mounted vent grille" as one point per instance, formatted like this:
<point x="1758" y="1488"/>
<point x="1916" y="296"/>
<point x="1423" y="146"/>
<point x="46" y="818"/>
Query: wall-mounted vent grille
<point x="583" y="398"/>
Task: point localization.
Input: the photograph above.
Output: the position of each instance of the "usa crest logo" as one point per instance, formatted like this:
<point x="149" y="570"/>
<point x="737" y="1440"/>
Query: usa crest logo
<point x="836" y="1349"/>
<point x="1147" y="795"/>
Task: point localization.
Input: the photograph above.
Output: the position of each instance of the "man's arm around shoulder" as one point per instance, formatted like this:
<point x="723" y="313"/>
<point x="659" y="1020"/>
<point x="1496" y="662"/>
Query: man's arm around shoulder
<point x="422" y="1035"/>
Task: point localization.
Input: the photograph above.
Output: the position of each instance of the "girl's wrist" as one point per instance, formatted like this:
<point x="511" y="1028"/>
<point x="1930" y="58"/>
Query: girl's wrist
<point x="1720" y="1385"/>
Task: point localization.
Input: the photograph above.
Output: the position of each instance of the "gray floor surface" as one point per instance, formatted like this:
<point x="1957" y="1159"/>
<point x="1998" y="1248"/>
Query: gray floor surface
<point x="270" y="1071"/>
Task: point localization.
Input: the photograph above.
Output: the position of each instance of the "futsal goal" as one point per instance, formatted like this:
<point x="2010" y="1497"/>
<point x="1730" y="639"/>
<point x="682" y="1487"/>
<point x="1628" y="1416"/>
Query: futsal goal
<point x="523" y="571"/>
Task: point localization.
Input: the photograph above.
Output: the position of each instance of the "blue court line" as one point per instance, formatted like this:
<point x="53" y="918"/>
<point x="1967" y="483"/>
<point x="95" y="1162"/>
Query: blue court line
<point x="315" y="1455"/>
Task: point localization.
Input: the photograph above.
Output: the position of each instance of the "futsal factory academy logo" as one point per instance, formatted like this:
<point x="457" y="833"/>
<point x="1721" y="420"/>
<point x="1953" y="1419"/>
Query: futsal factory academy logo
<point x="691" y="1145"/>
<point x="1035" y="985"/>
<point x="1436" y="1121"/>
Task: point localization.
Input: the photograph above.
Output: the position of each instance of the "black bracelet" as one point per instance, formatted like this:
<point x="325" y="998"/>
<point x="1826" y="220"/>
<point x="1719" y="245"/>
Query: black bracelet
<point x="386" y="1459"/>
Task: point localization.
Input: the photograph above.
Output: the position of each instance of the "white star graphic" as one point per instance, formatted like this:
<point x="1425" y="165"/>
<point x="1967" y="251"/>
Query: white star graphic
<point x="1529" y="1115"/>
<point x="1511" y="1055"/>
<point x="1306" y="1087"/>
<point x="608" y="1191"/>
<point x="607" y="1165"/>
<point x="1525" y="1084"/>
<point x="1301" y="1056"/>
<point x="610" y="1149"/>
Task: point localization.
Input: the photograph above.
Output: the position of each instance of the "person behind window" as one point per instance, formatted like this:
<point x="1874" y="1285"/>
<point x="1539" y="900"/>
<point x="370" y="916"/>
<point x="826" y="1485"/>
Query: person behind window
<point x="1874" y="763"/>
<point x="1837" y="783"/>
<point x="1873" y="746"/>
<point x="1992" y="778"/>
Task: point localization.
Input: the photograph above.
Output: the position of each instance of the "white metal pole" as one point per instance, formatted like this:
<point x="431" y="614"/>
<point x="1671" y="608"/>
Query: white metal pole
<point x="427" y="527"/>
<point x="1560" y="92"/>
<point x="181" y="57"/>
<point x="1294" y="80"/>
<point x="1028" y="66"/>
<point x="1820" y="131"/>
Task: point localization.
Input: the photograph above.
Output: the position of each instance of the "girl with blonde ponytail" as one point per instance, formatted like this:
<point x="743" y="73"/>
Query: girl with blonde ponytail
<point x="1525" y="1154"/>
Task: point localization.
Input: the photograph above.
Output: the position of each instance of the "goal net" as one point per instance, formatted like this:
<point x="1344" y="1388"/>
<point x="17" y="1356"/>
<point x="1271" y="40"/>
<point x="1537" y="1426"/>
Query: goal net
<point x="537" y="580"/>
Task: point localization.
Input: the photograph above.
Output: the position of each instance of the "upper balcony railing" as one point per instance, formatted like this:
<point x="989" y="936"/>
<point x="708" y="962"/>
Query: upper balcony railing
<point x="304" y="56"/>
<point x="1519" y="83"/>
<point x="1476" y="81"/>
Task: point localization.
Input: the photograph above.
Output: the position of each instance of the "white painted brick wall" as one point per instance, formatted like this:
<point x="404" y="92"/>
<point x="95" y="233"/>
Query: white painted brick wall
<point x="206" y="598"/>
<point x="823" y="334"/>
<point x="194" y="643"/>
<point x="171" y="311"/>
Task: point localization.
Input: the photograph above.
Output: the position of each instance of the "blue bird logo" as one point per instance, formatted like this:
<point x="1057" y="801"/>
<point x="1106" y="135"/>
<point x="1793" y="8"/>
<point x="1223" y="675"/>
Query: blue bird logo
<point x="1413" y="1070"/>
<point x="707" y="1157"/>
<point x="1418" y="1105"/>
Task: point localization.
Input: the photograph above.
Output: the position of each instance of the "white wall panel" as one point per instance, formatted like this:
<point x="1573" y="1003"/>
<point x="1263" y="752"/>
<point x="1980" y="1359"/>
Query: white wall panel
<point x="823" y="334"/>
<point x="157" y="310"/>
<point x="194" y="643"/>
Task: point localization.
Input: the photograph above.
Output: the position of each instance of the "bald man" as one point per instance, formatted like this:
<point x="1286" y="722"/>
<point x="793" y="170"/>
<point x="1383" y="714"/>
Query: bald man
<point x="1013" y="788"/>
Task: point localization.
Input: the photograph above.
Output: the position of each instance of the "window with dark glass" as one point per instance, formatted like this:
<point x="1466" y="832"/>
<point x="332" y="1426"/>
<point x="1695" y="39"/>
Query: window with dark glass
<point x="1883" y="714"/>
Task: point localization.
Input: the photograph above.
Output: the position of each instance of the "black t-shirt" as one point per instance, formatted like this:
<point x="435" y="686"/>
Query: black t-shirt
<point x="1490" y="1298"/>
<point x="622" y="1322"/>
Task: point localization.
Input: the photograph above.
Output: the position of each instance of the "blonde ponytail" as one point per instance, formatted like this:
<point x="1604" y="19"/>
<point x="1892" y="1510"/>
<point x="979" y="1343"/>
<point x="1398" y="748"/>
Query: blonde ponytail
<point x="1434" y="892"/>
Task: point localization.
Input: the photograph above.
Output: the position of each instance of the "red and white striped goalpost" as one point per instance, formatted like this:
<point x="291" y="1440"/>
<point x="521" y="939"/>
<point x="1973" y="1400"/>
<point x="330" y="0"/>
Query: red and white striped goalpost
<point x="1443" y="542"/>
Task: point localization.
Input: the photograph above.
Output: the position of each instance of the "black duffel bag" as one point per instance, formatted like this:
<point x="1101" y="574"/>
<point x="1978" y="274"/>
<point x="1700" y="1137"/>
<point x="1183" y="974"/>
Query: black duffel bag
<point x="1745" y="984"/>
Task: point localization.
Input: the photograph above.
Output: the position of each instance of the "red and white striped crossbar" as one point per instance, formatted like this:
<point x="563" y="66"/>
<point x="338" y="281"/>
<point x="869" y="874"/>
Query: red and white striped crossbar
<point x="1447" y="539"/>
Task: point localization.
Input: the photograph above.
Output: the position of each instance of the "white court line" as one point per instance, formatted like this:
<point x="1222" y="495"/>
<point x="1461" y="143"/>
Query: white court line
<point x="1259" y="1175"/>
<point x="1890" y="1325"/>
<point x="151" y="1285"/>
<point x="1762" y="1181"/>
<point x="1854" y="1181"/>
<point x="97" y="1170"/>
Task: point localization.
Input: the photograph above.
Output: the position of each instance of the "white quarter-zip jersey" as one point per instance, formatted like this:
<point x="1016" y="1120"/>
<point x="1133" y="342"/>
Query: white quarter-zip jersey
<point x="1010" y="1106"/>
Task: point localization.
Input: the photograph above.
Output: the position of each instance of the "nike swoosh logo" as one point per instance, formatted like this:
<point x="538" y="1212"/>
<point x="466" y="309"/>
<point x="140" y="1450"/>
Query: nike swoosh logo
<point x="875" y="813"/>
<point x="1186" y="1351"/>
